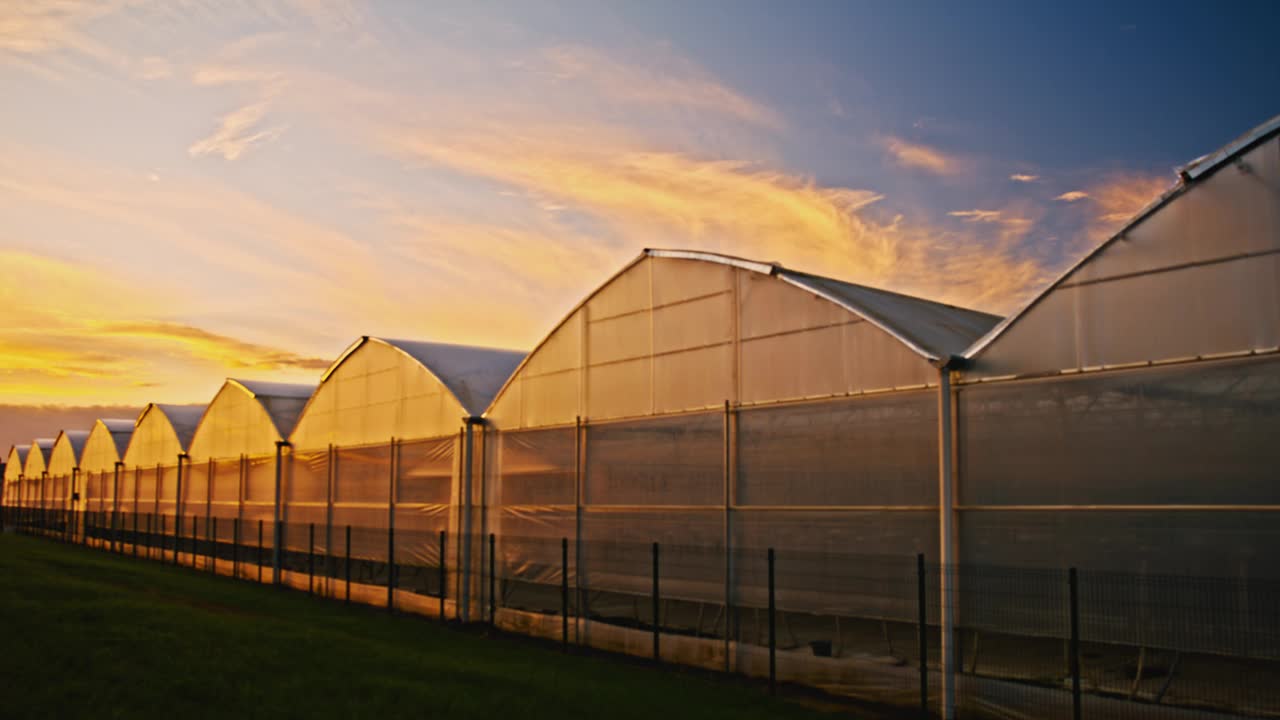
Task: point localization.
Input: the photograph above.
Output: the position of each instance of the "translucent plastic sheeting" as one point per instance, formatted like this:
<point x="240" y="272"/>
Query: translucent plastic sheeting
<point x="616" y="551"/>
<point x="225" y="486"/>
<point x="668" y="461"/>
<point x="195" y="487"/>
<point x="1201" y="433"/>
<point x="1197" y="543"/>
<point x="876" y="450"/>
<point x="637" y="348"/>
<point x="376" y="392"/>
<point x="418" y="533"/>
<point x="160" y="434"/>
<point x="101" y="447"/>
<point x="1196" y="277"/>
<point x="810" y="545"/>
<point x="529" y="542"/>
<point x="309" y="478"/>
<point x="138" y="489"/>
<point x="368" y="530"/>
<point x="364" y="475"/>
<point x="260" y="480"/>
<point x="238" y="423"/>
<point x="1238" y="617"/>
<point x="166" y="493"/>
<point x="536" y="467"/>
<point x="425" y="471"/>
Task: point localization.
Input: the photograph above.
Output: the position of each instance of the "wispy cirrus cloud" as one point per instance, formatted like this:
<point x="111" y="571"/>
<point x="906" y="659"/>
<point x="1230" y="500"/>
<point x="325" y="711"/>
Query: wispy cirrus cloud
<point x="665" y="79"/>
<point x="225" y="350"/>
<point x="738" y="207"/>
<point x="917" y="156"/>
<point x="977" y="215"/>
<point x="34" y="27"/>
<point x="1118" y="197"/>
<point x="1024" y="177"/>
<point x="1072" y="196"/>
<point x="237" y="132"/>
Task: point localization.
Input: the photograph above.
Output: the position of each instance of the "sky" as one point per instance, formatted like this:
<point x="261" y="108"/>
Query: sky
<point x="195" y="190"/>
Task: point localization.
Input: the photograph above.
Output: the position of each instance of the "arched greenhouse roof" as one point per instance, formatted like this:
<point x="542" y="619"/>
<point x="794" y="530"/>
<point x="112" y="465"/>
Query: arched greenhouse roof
<point x="107" y="442"/>
<point x="380" y="388"/>
<point x="707" y="303"/>
<point x="38" y="459"/>
<point x="247" y="417"/>
<point x="66" y="452"/>
<point x="1190" y="275"/>
<point x="161" y="433"/>
<point x="17" y="460"/>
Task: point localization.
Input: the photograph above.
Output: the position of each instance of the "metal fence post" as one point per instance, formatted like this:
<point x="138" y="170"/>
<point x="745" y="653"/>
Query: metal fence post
<point x="564" y="594"/>
<point x="1073" y="590"/>
<point x="773" y="635"/>
<point x="259" y="549"/>
<point x="311" y="558"/>
<point x="195" y="541"/>
<point x="278" y="552"/>
<point x="235" y="547"/>
<point x="922" y="633"/>
<point x="177" y="537"/>
<point x="151" y="538"/>
<point x="346" y="561"/>
<point x="444" y="575"/>
<point x="493" y="581"/>
<point x="212" y="523"/>
<point x="657" y="599"/>
<point x="391" y="569"/>
<point x="135" y="534"/>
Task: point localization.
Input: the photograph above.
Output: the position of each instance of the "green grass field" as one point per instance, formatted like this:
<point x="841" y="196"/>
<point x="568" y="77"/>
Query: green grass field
<point x="87" y="634"/>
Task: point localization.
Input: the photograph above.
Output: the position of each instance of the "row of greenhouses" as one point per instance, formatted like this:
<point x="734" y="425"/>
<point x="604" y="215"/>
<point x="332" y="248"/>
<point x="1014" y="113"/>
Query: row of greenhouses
<point x="1123" y="423"/>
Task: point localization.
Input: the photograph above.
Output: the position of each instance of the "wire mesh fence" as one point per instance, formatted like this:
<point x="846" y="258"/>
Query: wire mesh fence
<point x="988" y="641"/>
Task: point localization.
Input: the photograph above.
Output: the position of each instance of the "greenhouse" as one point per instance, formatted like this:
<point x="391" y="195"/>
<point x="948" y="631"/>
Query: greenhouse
<point x="13" y="487"/>
<point x="64" y="469"/>
<point x="1141" y="391"/>
<point x="150" y="472"/>
<point x="381" y="448"/>
<point x="99" y="469"/>
<point x="720" y="407"/>
<point x="229" y="480"/>
<point x="35" y="475"/>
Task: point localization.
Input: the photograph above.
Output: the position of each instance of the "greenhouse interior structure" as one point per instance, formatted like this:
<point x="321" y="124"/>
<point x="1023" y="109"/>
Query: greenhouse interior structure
<point x="734" y="465"/>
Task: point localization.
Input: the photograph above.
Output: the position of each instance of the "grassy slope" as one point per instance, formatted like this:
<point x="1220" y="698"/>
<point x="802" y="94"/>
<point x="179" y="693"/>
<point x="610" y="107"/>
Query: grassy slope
<point x="86" y="634"/>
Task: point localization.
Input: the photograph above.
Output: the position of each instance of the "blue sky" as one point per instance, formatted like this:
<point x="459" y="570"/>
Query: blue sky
<point x="242" y="188"/>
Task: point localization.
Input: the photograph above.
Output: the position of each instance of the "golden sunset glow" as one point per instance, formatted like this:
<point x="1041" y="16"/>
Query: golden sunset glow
<point x="262" y="183"/>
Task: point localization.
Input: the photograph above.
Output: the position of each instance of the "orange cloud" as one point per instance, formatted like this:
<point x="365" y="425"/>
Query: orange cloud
<point x="1072" y="196"/>
<point x="1119" y="197"/>
<point x="96" y="341"/>
<point x="663" y="198"/>
<point x="921" y="157"/>
<point x="222" y="349"/>
<point x="1024" y="178"/>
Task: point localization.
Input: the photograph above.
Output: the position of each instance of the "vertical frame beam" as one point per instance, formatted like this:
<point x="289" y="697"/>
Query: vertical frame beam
<point x="946" y="530"/>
